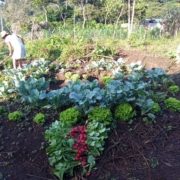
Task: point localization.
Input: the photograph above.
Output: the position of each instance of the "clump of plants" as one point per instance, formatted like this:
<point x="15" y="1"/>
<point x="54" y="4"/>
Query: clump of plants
<point x="60" y="150"/>
<point x="100" y="114"/>
<point x="124" y="112"/>
<point x="172" y="104"/>
<point x="70" y="116"/>
<point x="15" y="116"/>
<point x="39" y="118"/>
<point x="174" y="89"/>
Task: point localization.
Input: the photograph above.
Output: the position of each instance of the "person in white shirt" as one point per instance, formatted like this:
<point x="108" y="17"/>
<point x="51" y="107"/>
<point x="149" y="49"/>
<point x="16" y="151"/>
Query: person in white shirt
<point x="16" y="48"/>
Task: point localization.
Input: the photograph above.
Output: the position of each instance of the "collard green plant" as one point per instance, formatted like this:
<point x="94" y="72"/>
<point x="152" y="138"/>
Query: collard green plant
<point x="172" y="104"/>
<point x="15" y="116"/>
<point x="97" y="133"/>
<point x="85" y="94"/>
<point x="33" y="90"/>
<point x="124" y="112"/>
<point x="60" y="150"/>
<point x="39" y="118"/>
<point x="70" y="116"/>
<point x="100" y="114"/>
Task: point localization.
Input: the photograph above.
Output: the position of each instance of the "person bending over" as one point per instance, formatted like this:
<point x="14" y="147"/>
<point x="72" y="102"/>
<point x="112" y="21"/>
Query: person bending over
<point x="16" y="48"/>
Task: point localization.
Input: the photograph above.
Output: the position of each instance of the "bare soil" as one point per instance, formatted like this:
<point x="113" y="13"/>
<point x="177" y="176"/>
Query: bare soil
<point x="133" y="152"/>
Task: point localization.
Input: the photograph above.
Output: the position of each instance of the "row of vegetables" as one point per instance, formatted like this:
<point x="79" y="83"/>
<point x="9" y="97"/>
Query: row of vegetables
<point x="87" y="110"/>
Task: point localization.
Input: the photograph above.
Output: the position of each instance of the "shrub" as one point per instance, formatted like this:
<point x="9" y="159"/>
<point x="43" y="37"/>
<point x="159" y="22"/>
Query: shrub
<point x="156" y="108"/>
<point x="172" y="104"/>
<point x="39" y="118"/>
<point x="15" y="116"/>
<point x="100" y="114"/>
<point x="174" y="89"/>
<point x="70" y="116"/>
<point x="124" y="112"/>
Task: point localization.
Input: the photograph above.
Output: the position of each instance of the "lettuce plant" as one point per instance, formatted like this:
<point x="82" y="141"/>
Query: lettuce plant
<point x="70" y="116"/>
<point x="100" y="114"/>
<point x="124" y="112"/>
<point x="172" y="104"/>
<point x="39" y="118"/>
<point x="174" y="89"/>
<point x="15" y="116"/>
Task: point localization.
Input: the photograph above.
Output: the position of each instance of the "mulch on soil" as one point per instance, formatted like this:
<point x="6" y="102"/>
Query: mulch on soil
<point x="137" y="151"/>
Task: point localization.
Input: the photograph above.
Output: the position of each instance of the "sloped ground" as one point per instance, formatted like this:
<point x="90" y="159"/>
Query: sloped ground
<point x="138" y="152"/>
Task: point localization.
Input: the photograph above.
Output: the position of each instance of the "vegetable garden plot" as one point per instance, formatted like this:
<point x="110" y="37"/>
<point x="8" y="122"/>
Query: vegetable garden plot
<point x="84" y="113"/>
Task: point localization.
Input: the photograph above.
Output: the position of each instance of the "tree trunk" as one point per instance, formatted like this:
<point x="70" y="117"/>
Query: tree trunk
<point x="117" y="21"/>
<point x="129" y="18"/>
<point x="45" y="13"/>
<point x="132" y="17"/>
<point x="74" y="22"/>
<point x="84" y="14"/>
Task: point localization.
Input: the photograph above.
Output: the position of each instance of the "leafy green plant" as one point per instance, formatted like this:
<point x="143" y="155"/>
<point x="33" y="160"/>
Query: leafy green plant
<point x="39" y="118"/>
<point x="172" y="104"/>
<point x="33" y="90"/>
<point x="156" y="108"/>
<point x="70" y="116"/>
<point x="97" y="133"/>
<point x="106" y="79"/>
<point x="60" y="150"/>
<point x="124" y="112"/>
<point x="15" y="116"/>
<point x="174" y="89"/>
<point x="100" y="114"/>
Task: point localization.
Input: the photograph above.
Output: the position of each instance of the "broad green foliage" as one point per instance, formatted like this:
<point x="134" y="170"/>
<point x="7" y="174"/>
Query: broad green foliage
<point x="33" y="90"/>
<point x="174" y="89"/>
<point x="60" y="150"/>
<point x="124" y="112"/>
<point x="97" y="133"/>
<point x="39" y="118"/>
<point x="86" y="94"/>
<point x="172" y="104"/>
<point x="15" y="116"/>
<point x="100" y="114"/>
<point x="70" y="116"/>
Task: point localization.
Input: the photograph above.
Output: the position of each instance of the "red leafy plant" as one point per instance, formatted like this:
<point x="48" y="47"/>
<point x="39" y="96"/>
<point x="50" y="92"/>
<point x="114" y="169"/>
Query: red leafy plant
<point x="79" y="134"/>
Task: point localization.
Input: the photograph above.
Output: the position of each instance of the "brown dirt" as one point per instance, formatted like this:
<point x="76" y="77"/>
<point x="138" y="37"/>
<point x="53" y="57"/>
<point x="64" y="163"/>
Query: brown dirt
<point x="136" y="152"/>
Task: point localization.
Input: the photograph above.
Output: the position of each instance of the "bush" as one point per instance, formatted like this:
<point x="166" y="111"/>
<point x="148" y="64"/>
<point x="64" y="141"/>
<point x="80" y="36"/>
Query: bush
<point x="100" y="114"/>
<point x="124" y="112"/>
<point x="174" y="89"/>
<point x="172" y="104"/>
<point x="70" y="116"/>
<point x="15" y="116"/>
<point x="39" y="118"/>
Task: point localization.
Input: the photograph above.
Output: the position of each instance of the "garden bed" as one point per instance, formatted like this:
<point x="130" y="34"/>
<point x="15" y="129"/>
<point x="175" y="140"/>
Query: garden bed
<point x="132" y="151"/>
